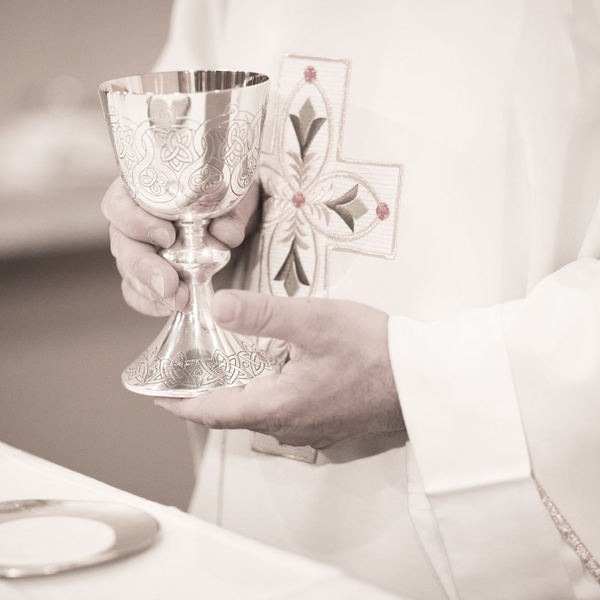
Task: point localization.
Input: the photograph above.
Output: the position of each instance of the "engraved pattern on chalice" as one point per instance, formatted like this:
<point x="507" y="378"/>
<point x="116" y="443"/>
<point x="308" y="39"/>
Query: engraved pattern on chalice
<point x="188" y="144"/>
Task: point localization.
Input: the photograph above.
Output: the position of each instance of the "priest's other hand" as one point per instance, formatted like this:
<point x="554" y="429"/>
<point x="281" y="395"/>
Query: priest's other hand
<point x="337" y="385"/>
<point x="150" y="284"/>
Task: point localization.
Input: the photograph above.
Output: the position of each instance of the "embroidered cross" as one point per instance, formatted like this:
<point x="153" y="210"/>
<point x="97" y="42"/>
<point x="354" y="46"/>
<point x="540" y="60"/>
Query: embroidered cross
<point x="316" y="200"/>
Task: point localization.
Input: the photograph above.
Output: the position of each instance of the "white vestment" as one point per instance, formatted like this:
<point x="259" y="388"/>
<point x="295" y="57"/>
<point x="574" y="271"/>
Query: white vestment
<point x="493" y="108"/>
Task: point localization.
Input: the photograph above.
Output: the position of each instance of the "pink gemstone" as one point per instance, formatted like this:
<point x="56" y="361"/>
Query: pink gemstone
<point x="298" y="199"/>
<point x="383" y="211"/>
<point x="310" y="74"/>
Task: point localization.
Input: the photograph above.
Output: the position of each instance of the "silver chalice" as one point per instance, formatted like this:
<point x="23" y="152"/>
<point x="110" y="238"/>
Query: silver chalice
<point x="187" y="144"/>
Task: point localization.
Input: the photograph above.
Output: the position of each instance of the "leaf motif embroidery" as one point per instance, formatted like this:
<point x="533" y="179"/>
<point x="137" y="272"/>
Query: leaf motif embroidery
<point x="292" y="272"/>
<point x="348" y="207"/>
<point x="312" y="132"/>
<point x="306" y="126"/>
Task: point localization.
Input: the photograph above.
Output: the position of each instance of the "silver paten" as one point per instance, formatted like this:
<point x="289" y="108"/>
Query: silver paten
<point x="187" y="144"/>
<point x="134" y="531"/>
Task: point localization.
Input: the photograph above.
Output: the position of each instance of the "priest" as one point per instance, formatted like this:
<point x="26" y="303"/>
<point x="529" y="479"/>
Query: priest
<point x="423" y="251"/>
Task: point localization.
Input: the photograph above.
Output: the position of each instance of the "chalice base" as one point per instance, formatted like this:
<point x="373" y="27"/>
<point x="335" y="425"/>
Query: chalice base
<point x="186" y="360"/>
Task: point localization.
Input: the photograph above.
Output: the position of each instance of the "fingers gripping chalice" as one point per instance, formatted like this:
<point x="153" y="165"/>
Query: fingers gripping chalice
<point x="187" y="144"/>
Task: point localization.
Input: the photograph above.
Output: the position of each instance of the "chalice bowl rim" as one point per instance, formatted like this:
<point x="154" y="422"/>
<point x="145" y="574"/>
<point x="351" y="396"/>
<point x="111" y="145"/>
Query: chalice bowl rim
<point x="185" y="78"/>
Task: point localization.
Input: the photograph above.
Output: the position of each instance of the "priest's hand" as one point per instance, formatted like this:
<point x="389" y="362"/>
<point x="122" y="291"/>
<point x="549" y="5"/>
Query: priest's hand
<point x="150" y="284"/>
<point x="337" y="385"/>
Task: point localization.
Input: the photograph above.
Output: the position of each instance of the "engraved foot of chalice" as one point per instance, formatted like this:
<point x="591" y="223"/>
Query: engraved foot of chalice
<point x="187" y="144"/>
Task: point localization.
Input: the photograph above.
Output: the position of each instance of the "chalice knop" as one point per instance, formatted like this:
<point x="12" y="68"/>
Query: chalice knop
<point x="187" y="144"/>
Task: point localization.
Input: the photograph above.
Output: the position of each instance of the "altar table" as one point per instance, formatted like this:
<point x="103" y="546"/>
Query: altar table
<point x="192" y="559"/>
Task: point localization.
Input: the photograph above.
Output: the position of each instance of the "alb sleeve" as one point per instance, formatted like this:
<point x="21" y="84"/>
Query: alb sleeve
<point x="493" y="398"/>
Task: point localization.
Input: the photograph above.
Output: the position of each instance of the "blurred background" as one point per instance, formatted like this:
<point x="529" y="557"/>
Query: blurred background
<point x="65" y="332"/>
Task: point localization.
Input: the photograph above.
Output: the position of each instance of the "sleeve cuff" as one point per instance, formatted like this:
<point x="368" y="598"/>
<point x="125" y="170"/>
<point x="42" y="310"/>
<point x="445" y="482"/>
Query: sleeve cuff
<point x="458" y="400"/>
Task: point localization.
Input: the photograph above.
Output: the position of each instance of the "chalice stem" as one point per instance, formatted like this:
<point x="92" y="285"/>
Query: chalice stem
<point x="197" y="257"/>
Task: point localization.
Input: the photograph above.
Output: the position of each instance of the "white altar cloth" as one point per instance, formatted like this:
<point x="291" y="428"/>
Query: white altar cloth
<point x="191" y="559"/>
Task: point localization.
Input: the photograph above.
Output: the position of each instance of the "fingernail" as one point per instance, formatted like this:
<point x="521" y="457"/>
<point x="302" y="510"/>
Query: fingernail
<point x="160" y="237"/>
<point x="158" y="285"/>
<point x="226" y="307"/>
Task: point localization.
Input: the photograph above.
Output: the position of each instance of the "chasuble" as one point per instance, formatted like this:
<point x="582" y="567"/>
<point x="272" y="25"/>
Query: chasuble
<point x="439" y="161"/>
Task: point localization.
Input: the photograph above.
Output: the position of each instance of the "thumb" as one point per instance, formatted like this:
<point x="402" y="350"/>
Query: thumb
<point x="231" y="227"/>
<point x="289" y="319"/>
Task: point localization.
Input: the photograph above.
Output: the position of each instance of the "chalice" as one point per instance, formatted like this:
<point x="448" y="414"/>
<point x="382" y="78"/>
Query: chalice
<point x="187" y="144"/>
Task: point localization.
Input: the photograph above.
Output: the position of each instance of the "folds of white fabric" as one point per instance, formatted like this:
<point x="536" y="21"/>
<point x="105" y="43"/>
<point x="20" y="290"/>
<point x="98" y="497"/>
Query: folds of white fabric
<point x="553" y="344"/>
<point x="481" y="393"/>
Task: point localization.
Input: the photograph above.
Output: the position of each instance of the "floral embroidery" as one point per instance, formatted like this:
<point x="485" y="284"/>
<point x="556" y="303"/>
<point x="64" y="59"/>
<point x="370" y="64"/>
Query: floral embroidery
<point x="317" y="201"/>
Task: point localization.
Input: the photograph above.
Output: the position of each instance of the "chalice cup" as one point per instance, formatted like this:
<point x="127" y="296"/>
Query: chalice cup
<point x="187" y="144"/>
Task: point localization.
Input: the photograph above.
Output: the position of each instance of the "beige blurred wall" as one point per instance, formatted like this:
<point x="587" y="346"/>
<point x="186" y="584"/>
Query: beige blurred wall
<point x="65" y="332"/>
<point x="92" y="40"/>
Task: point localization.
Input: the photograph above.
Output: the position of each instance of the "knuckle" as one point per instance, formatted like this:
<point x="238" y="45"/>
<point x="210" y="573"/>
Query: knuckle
<point x="319" y="317"/>
<point x="265" y="313"/>
<point x="142" y="267"/>
<point x="290" y="437"/>
<point x="318" y="313"/>
<point x="114" y="241"/>
<point x="212" y="421"/>
<point x="121" y="269"/>
<point x="137" y="266"/>
<point x="236" y="237"/>
<point x="159" y="310"/>
<point x="132" y="224"/>
<point x="230" y="229"/>
<point x="139" y="303"/>
<point x="253" y="195"/>
<point x="129" y="295"/>
<point x="235" y="220"/>
<point x="169" y="275"/>
<point x="272" y="417"/>
<point x="139" y="269"/>
<point x="278" y="415"/>
<point x="111" y="198"/>
<point x="104" y="205"/>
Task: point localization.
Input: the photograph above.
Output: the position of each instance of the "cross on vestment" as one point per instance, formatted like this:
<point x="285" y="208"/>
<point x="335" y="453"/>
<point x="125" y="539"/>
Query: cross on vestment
<point x="315" y="200"/>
